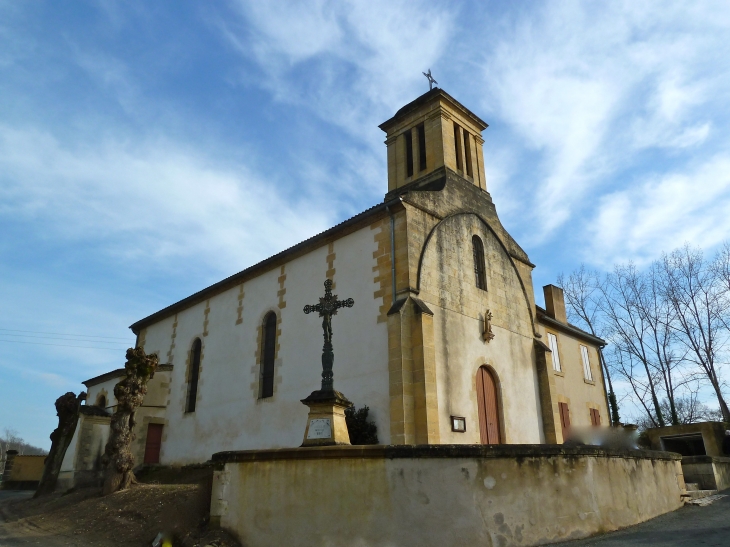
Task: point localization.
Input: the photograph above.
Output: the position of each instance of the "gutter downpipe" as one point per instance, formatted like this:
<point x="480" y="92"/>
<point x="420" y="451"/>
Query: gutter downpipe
<point x="392" y="249"/>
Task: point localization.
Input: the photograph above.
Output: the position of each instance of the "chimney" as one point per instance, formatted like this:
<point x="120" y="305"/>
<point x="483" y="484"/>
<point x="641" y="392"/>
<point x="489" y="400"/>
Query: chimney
<point x="555" y="303"/>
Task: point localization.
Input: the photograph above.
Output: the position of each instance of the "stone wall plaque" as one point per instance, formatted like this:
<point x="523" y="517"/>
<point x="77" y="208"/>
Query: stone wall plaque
<point x="319" y="428"/>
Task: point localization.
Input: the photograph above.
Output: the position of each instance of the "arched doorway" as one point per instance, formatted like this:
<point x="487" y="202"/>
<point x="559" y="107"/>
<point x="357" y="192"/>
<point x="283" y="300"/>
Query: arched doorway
<point x="488" y="407"/>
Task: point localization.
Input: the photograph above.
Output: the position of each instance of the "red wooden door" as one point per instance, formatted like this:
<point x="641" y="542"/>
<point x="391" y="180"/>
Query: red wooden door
<point x="488" y="410"/>
<point x="154" y="441"/>
<point x="564" y="419"/>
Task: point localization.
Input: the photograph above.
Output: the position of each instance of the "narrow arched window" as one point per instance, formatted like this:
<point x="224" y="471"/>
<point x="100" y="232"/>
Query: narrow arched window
<point x="479" y="265"/>
<point x="194" y="375"/>
<point x="268" y="351"/>
<point x="101" y="401"/>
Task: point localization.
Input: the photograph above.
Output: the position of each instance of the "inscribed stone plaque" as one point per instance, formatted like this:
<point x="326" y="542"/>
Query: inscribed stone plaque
<point x="320" y="428"/>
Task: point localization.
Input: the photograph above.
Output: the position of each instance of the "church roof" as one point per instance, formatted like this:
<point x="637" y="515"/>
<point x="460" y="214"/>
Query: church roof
<point x="347" y="226"/>
<point x="104" y="377"/>
<point x="425" y="98"/>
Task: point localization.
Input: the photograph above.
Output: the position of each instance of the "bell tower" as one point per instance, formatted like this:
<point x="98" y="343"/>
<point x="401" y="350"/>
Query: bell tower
<point x="432" y="133"/>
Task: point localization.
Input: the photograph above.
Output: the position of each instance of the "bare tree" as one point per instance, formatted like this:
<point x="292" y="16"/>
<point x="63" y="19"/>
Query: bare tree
<point x="700" y="300"/>
<point x="626" y="365"/>
<point x="118" y="460"/>
<point x="623" y="296"/>
<point x="582" y="293"/>
<point x="659" y="315"/>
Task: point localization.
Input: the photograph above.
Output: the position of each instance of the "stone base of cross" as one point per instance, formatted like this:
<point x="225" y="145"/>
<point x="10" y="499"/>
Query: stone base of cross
<point x="326" y="424"/>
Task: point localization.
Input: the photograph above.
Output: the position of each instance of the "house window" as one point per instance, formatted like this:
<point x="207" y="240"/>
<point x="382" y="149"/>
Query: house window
<point x="553" y="343"/>
<point x="409" y="153"/>
<point x="101" y="402"/>
<point x="421" y="147"/>
<point x="587" y="374"/>
<point x="479" y="264"/>
<point x="268" y="354"/>
<point x="194" y="374"/>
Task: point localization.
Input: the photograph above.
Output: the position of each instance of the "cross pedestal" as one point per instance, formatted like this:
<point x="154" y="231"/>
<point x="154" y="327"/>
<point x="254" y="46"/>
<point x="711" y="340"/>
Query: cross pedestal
<point x="326" y="424"/>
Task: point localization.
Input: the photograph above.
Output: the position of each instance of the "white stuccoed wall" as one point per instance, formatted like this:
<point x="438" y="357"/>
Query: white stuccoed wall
<point x="229" y="415"/>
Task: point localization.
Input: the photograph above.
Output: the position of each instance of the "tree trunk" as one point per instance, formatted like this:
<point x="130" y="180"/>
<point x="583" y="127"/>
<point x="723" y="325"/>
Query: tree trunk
<point x="721" y="400"/>
<point x="67" y="409"/>
<point x="614" y="417"/>
<point x="118" y="460"/>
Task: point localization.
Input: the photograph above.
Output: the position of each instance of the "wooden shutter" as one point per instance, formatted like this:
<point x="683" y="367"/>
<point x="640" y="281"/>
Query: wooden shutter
<point x="564" y="419"/>
<point x="488" y="409"/>
<point x="595" y="417"/>
<point x="153" y="443"/>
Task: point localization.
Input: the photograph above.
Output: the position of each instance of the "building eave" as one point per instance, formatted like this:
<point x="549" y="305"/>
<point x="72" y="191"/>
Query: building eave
<point x="567" y="328"/>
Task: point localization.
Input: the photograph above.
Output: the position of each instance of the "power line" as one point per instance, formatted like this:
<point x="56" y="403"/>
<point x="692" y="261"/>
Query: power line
<point x="58" y="345"/>
<point x="66" y="334"/>
<point x="57" y="338"/>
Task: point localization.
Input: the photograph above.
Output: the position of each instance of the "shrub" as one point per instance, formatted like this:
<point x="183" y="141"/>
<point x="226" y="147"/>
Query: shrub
<point x="361" y="430"/>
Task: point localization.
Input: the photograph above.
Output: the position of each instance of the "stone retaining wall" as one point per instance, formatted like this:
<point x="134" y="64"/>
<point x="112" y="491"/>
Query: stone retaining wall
<point x="438" y="495"/>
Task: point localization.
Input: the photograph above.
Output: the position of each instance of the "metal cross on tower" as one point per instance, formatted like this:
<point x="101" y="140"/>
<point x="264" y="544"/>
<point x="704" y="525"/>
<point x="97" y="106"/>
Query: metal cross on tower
<point x="327" y="307"/>
<point x="431" y="81"/>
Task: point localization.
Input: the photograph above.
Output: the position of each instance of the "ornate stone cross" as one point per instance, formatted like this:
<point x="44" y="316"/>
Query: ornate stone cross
<point x="327" y="307"/>
<point x="431" y="81"/>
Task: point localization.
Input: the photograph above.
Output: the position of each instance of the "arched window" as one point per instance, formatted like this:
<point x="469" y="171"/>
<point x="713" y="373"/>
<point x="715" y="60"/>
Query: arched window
<point x="268" y="352"/>
<point x="194" y="374"/>
<point x="101" y="401"/>
<point x="479" y="265"/>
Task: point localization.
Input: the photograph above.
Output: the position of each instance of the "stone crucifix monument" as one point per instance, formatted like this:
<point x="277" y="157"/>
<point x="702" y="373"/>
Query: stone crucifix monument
<point x="326" y="421"/>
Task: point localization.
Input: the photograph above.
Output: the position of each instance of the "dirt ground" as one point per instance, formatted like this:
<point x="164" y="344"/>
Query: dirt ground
<point x="130" y="518"/>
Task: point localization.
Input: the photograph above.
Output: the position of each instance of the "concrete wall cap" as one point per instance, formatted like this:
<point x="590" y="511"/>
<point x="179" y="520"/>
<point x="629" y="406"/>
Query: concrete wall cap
<point x="518" y="451"/>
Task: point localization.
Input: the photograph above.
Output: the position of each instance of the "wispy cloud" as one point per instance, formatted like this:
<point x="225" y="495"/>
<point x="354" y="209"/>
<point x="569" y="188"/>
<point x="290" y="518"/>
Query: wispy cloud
<point x="661" y="212"/>
<point x="588" y="86"/>
<point x="349" y="62"/>
<point x="150" y="199"/>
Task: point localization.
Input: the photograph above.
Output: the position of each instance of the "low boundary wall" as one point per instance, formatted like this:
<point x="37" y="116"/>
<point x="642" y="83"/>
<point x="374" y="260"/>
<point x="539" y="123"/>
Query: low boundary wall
<point x="710" y="472"/>
<point x="438" y="495"/>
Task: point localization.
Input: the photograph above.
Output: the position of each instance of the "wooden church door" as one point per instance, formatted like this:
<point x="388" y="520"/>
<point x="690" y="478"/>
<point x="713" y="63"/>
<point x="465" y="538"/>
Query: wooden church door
<point x="153" y="444"/>
<point x="488" y="410"/>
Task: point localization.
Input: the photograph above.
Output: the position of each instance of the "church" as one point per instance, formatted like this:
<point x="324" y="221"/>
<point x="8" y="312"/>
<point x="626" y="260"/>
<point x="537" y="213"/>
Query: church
<point x="444" y="342"/>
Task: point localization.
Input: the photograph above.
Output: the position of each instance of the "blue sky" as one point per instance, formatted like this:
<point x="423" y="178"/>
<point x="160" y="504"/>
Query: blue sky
<point x="149" y="149"/>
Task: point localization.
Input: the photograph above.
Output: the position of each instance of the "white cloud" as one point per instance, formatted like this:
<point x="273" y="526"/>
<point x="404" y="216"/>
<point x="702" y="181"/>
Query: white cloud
<point x="661" y="212"/>
<point x="350" y="62"/>
<point x="589" y="85"/>
<point x="151" y="199"/>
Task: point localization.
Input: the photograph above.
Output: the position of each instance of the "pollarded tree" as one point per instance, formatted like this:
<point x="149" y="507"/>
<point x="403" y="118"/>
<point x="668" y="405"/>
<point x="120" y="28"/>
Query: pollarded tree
<point x="67" y="409"/>
<point x="118" y="460"/>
